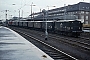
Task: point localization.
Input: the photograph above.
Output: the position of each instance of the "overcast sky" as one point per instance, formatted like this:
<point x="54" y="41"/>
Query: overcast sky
<point x="24" y="5"/>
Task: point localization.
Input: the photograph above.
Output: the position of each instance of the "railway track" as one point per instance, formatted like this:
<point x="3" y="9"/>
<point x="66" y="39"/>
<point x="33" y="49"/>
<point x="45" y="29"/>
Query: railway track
<point x="55" y="53"/>
<point x="68" y="40"/>
<point x="74" y="41"/>
<point x="80" y="42"/>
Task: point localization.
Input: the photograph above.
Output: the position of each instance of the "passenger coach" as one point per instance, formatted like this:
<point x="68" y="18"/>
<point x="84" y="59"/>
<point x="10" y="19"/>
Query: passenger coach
<point x="64" y="27"/>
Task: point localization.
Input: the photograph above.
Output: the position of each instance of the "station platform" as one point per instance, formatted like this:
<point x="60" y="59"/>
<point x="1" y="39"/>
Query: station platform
<point x="15" y="47"/>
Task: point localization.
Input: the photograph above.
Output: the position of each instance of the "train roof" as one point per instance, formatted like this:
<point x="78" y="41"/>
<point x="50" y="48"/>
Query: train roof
<point x="66" y="20"/>
<point x="49" y="21"/>
<point x="34" y="21"/>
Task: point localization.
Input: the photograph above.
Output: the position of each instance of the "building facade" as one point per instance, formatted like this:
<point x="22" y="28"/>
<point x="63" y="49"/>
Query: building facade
<point x="79" y="11"/>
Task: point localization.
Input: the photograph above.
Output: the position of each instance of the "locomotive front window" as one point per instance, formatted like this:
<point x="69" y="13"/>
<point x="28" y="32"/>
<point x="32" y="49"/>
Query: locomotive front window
<point x="75" y="26"/>
<point x="75" y="23"/>
<point x="65" y="27"/>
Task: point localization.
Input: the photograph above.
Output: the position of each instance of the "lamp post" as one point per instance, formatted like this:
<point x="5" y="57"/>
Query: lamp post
<point x="0" y="16"/>
<point x="14" y="10"/>
<point x="6" y="17"/>
<point x="31" y="9"/>
<point x="50" y="6"/>
<point x="19" y="14"/>
<point x="64" y="11"/>
<point x="45" y="15"/>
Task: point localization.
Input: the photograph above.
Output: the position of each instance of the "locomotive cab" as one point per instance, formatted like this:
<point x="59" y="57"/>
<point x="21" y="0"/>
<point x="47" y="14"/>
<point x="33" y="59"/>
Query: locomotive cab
<point x="76" y="28"/>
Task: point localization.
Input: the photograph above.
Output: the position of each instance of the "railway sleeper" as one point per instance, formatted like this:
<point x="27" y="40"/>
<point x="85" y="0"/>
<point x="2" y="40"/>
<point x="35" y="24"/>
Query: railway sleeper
<point x="52" y="53"/>
<point x="55" y="54"/>
<point x="59" y="57"/>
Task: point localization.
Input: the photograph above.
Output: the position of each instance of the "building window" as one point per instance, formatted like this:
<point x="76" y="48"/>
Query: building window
<point x="87" y="12"/>
<point x="82" y="12"/>
<point x="82" y="17"/>
<point x="86" y="22"/>
<point x="87" y="7"/>
<point x="86" y="17"/>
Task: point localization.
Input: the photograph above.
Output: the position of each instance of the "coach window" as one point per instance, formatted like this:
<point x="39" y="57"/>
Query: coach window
<point x="65" y="27"/>
<point x="71" y="27"/>
<point x="49" y="26"/>
<point x="69" y="12"/>
<point x="86" y="17"/>
<point x="55" y="27"/>
<point x="68" y="28"/>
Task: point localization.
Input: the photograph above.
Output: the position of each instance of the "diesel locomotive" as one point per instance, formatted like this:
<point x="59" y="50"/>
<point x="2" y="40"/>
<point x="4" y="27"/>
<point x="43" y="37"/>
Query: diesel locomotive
<point x="64" y="27"/>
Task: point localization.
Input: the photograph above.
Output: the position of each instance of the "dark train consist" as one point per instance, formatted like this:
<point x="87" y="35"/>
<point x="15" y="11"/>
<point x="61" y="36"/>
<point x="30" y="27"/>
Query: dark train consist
<point x="64" y="27"/>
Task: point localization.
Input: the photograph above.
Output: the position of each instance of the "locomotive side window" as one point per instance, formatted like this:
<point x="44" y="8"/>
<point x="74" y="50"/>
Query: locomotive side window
<point x="71" y="27"/>
<point x="50" y="26"/>
<point x="61" y="25"/>
<point x="79" y="27"/>
<point x="68" y="28"/>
